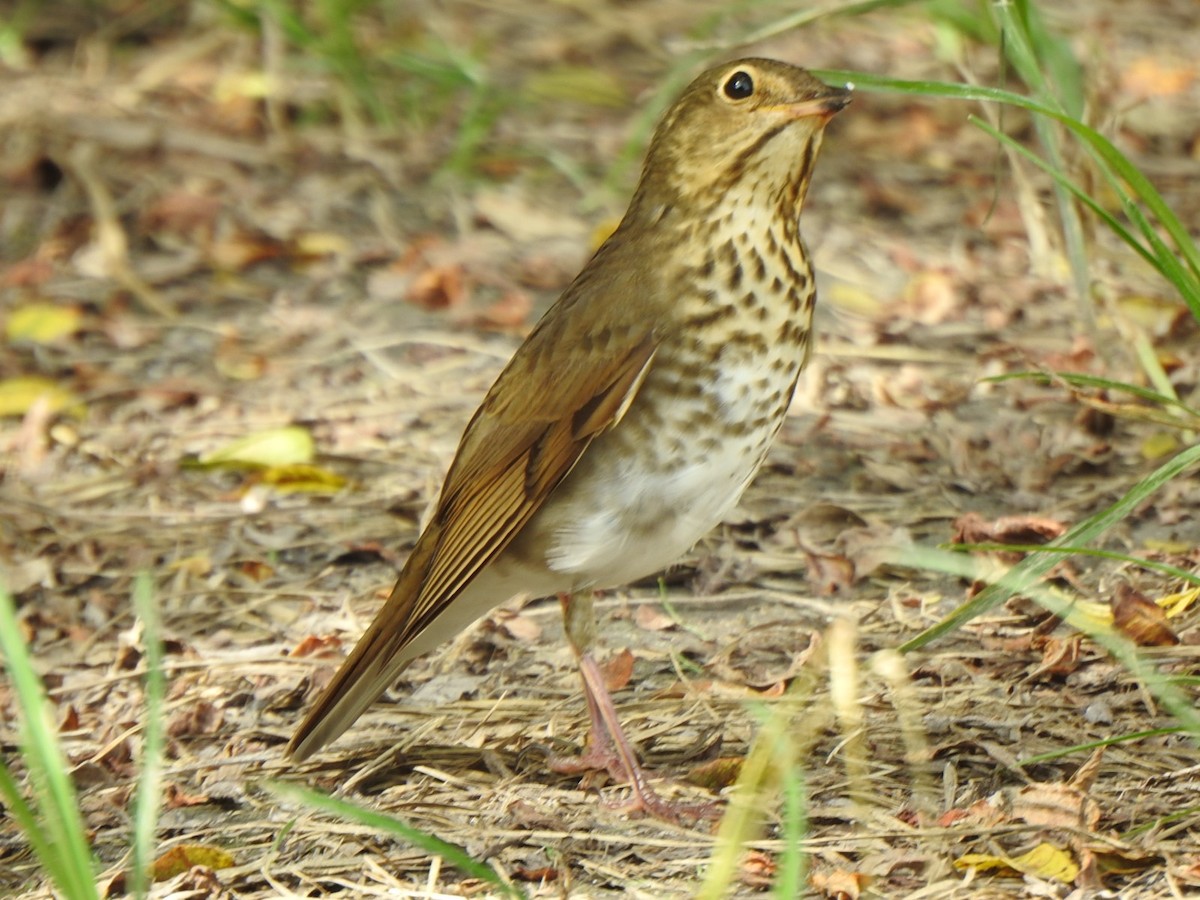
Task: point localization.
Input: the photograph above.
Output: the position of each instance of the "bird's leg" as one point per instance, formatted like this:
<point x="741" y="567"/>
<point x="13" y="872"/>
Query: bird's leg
<point x="607" y="747"/>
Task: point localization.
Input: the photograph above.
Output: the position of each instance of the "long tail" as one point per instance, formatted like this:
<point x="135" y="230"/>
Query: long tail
<point x="376" y="661"/>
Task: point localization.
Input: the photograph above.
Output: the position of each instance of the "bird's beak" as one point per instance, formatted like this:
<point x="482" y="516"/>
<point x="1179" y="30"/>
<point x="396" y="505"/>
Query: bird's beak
<point x="823" y="107"/>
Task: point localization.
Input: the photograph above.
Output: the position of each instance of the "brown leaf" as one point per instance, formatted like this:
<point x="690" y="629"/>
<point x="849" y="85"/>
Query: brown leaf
<point x="1060" y="656"/>
<point x="650" y="617"/>
<point x="510" y="311"/>
<point x="201" y="718"/>
<point x="1054" y="805"/>
<point x="838" y="884"/>
<point x="1141" y="619"/>
<point x="617" y="670"/>
<point x="716" y="774"/>
<point x="521" y="628"/>
<point x="180" y="859"/>
<point x="316" y="646"/>
<point x="175" y="797"/>
<point x="438" y="287"/>
<point x="972" y="528"/>
<point x="829" y="573"/>
<point x="758" y="869"/>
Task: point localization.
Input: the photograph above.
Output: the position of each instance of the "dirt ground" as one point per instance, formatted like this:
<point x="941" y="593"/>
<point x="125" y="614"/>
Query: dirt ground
<point x="232" y="265"/>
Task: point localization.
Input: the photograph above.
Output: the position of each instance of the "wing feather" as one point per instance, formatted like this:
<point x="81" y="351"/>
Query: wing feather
<point x="515" y="451"/>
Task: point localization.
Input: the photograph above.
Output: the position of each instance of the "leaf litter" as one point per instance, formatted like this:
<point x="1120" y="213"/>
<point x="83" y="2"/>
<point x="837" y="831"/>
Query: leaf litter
<point x="201" y="281"/>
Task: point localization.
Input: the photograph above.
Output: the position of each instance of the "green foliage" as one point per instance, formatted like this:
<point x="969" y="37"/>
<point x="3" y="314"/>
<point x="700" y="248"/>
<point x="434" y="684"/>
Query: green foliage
<point x="50" y="818"/>
<point x="451" y="853"/>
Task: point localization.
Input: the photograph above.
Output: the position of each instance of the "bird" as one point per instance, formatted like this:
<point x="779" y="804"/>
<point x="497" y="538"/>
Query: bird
<point x="639" y="408"/>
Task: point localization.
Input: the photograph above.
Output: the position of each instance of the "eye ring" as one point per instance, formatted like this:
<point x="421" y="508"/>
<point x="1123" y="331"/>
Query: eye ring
<point x="739" y="85"/>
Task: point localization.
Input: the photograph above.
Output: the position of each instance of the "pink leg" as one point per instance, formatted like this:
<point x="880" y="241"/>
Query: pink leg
<point x="607" y="747"/>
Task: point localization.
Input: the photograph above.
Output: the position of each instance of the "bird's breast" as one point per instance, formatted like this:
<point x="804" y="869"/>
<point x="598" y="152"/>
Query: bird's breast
<point x="700" y="426"/>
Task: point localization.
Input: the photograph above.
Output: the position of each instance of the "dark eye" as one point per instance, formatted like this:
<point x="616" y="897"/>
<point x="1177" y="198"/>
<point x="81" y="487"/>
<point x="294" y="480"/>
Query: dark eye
<point x="739" y="86"/>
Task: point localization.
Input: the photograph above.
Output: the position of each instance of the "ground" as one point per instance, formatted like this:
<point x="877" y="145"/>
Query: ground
<point x="231" y="265"/>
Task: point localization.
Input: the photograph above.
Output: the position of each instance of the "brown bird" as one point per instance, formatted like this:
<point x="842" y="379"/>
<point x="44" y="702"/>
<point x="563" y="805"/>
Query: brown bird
<point x="640" y="407"/>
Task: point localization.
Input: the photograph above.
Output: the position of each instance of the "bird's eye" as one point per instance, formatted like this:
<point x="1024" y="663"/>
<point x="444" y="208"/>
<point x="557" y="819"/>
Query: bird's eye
<point x="739" y="85"/>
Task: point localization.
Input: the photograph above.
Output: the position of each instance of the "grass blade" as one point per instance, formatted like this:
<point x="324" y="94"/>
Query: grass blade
<point x="451" y="853"/>
<point x="1023" y="576"/>
<point x="59" y="838"/>
<point x="149" y="790"/>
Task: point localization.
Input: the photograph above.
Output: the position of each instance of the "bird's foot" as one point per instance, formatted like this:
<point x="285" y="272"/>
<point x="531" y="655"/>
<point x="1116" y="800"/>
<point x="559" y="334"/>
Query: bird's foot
<point x="646" y="800"/>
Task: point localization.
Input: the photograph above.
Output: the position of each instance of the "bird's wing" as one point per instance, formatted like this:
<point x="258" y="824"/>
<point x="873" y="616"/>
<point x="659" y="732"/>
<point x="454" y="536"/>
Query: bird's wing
<point x="521" y="443"/>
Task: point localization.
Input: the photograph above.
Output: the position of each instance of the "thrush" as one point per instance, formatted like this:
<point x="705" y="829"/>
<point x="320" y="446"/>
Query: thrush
<point x="632" y="418"/>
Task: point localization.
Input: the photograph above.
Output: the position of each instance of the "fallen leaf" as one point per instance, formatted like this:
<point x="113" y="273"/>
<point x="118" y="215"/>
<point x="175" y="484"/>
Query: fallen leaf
<point x="519" y="627"/>
<point x="42" y="323"/>
<point x="757" y="869"/>
<point x="1060" y="656"/>
<point x="717" y="774"/>
<point x="316" y="646"/>
<point x="1141" y="619"/>
<point x="19" y="395"/>
<point x="510" y="311"/>
<point x="838" y="884"/>
<point x="290" y="445"/>
<point x="438" y="287"/>
<point x="650" y="617"/>
<point x="1043" y="861"/>
<point x="180" y="859"/>
<point x="617" y="670"/>
<point x="300" y="478"/>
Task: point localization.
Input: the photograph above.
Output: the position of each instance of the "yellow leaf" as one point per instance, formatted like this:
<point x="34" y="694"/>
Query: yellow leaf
<point x="303" y="478"/>
<point x="1159" y="444"/>
<point x="322" y="243"/>
<point x="286" y="446"/>
<point x="1043" y="861"/>
<point x="1048" y="862"/>
<point x="41" y="323"/>
<point x="180" y="859"/>
<point x="18" y="395"/>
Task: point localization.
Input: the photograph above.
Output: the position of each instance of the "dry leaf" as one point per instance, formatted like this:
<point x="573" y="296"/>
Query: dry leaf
<point x="510" y="311"/>
<point x="1044" y="861"/>
<point x="521" y="628"/>
<point x="1060" y="656"/>
<point x="838" y="884"/>
<point x="180" y="859"/>
<point x="286" y="446"/>
<point x="650" y="617"/>
<point x="316" y="646"/>
<point x="19" y="395"/>
<point x="438" y="287"/>
<point x="717" y="774"/>
<point x="1141" y="619"/>
<point x="42" y="323"/>
<point x="617" y="670"/>
<point x="757" y="870"/>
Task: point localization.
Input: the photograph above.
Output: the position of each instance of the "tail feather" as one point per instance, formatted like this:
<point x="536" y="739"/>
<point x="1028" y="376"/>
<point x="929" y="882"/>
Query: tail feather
<point x="377" y="660"/>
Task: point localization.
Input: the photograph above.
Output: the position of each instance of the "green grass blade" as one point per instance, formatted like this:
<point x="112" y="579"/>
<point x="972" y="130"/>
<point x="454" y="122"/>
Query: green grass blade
<point x="1080" y="379"/>
<point x="1160" y="685"/>
<point x="69" y="859"/>
<point x="1104" y="215"/>
<point x="149" y="790"/>
<point x="1148" y="564"/>
<point x="451" y="853"/>
<point x="1096" y="745"/>
<point x="1023" y="576"/>
<point x="1115" y="164"/>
